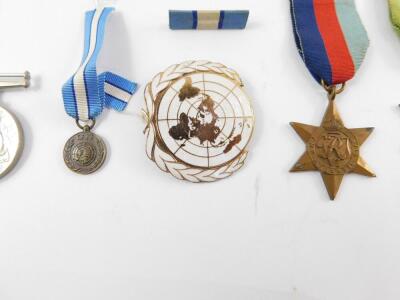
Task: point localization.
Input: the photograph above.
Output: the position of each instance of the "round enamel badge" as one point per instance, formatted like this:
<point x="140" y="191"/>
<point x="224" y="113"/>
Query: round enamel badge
<point x="200" y="121"/>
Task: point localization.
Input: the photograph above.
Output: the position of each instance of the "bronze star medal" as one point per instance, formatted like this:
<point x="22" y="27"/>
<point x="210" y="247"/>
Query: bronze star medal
<point x="332" y="149"/>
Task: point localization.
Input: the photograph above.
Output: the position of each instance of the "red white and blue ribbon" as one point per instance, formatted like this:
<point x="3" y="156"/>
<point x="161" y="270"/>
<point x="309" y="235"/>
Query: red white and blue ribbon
<point x="330" y="38"/>
<point x="86" y="93"/>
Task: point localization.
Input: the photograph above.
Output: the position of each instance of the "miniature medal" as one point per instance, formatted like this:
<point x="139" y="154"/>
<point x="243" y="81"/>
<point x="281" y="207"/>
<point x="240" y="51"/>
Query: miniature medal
<point x="332" y="42"/>
<point x="87" y="93"/>
<point x="200" y="121"/>
<point x="11" y="133"/>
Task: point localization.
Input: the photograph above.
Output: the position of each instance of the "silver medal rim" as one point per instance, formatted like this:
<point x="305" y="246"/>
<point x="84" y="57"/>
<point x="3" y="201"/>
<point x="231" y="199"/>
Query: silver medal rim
<point x="91" y="170"/>
<point x="20" y="146"/>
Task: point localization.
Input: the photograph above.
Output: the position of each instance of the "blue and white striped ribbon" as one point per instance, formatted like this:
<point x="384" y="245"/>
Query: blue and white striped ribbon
<point x="86" y="93"/>
<point x="208" y="19"/>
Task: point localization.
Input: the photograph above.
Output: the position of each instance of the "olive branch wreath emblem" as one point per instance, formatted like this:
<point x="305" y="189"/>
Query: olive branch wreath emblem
<point x="164" y="160"/>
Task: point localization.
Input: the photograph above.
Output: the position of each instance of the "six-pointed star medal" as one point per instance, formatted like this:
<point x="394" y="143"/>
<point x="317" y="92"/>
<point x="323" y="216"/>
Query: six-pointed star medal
<point x="332" y="149"/>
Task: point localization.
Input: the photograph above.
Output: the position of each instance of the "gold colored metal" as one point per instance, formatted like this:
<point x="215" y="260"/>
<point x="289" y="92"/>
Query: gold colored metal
<point x="329" y="88"/>
<point x="332" y="149"/>
<point x="203" y="133"/>
<point x="199" y="121"/>
<point x="85" y="152"/>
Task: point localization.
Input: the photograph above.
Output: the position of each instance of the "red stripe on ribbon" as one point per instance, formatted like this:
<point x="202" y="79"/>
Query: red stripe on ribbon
<point x="335" y="42"/>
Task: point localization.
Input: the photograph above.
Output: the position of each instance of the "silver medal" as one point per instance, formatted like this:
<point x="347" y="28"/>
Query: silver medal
<point x="11" y="141"/>
<point x="11" y="133"/>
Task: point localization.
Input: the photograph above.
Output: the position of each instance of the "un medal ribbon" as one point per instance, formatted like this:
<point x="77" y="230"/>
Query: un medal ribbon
<point x="87" y="93"/>
<point x="199" y="121"/>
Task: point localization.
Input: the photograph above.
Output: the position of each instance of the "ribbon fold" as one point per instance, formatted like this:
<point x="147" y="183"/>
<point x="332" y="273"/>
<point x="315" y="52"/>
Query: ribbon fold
<point x="394" y="6"/>
<point x="86" y="93"/>
<point x="330" y="38"/>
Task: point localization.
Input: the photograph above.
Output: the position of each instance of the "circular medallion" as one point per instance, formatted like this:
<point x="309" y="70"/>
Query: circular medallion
<point x="11" y="141"/>
<point x="85" y="153"/>
<point x="334" y="151"/>
<point x="200" y="122"/>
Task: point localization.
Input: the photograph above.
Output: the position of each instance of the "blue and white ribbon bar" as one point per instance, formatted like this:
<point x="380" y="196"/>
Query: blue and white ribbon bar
<point x="208" y="19"/>
<point x="86" y="93"/>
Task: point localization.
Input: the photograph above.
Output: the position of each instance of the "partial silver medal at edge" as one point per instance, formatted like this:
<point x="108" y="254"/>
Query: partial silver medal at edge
<point x="11" y="133"/>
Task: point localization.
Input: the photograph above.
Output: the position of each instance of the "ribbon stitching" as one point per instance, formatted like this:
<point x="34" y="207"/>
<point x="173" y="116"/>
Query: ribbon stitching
<point x="330" y="38"/>
<point x="86" y="93"/>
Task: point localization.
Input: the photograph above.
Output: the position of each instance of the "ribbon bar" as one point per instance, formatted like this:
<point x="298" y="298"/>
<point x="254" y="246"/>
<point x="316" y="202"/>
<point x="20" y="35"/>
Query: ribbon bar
<point x="208" y="19"/>
<point x="86" y="93"/>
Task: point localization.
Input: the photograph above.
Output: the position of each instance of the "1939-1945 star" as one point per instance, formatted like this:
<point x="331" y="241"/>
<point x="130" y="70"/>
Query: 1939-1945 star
<point x="332" y="149"/>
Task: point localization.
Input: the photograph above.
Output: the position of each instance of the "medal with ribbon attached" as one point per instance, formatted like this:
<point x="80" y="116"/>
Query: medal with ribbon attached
<point x="87" y="93"/>
<point x="332" y="42"/>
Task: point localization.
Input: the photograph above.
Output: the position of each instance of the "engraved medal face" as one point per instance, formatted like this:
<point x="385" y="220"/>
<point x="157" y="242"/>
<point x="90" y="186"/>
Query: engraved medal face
<point x="203" y="122"/>
<point x="85" y="153"/>
<point x="334" y="151"/>
<point x="11" y="141"/>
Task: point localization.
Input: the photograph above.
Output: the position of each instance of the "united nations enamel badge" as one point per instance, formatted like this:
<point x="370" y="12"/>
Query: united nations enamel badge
<point x="199" y="121"/>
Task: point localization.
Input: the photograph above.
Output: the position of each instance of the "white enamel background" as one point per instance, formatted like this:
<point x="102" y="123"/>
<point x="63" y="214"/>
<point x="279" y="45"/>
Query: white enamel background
<point x="235" y="117"/>
<point x="133" y="232"/>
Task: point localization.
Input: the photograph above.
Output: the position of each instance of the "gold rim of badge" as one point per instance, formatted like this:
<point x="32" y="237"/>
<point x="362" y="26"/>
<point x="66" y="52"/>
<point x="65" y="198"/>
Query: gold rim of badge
<point x="199" y="121"/>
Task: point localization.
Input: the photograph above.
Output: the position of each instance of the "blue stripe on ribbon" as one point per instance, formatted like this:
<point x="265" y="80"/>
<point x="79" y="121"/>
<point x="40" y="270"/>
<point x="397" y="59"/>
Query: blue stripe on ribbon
<point x="189" y="19"/>
<point x="95" y="89"/>
<point x="88" y="25"/>
<point x="115" y="103"/>
<point x="87" y="94"/>
<point x="121" y="83"/>
<point x="234" y="19"/>
<point x="309" y="40"/>
<point x="221" y="19"/>
<point x="69" y="98"/>
<point x="195" y="19"/>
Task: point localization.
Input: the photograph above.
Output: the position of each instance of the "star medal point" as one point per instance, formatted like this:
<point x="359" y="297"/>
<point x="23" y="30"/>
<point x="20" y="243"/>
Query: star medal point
<point x="332" y="149"/>
<point x="332" y="42"/>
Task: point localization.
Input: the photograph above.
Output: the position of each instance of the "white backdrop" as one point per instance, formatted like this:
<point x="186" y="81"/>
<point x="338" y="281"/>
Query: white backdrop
<point x="133" y="232"/>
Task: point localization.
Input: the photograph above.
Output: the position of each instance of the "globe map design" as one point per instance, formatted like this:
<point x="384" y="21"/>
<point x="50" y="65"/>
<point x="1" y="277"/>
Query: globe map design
<point x="205" y="119"/>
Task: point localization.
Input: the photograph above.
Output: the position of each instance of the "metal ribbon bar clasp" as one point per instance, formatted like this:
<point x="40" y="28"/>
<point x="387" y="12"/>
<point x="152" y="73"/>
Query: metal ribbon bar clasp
<point x="9" y="80"/>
